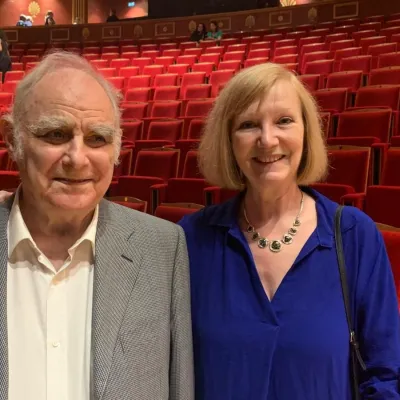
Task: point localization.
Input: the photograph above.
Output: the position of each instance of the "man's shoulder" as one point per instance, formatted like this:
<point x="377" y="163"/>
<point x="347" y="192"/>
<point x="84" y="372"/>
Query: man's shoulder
<point x="127" y="218"/>
<point x="5" y="209"/>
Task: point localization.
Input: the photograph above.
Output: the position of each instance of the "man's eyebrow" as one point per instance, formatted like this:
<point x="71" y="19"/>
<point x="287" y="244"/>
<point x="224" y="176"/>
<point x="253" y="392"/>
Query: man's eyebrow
<point x="104" y="130"/>
<point x="49" y="123"/>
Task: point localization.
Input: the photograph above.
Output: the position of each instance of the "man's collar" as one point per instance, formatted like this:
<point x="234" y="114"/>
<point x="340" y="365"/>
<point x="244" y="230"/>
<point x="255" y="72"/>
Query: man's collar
<point x="18" y="231"/>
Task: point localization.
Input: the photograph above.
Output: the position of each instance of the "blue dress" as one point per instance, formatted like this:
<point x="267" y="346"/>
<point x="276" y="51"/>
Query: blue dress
<point x="295" y="347"/>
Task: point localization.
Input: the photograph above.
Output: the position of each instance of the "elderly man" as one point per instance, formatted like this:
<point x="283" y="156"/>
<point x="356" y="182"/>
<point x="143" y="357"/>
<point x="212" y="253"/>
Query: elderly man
<point x="94" y="296"/>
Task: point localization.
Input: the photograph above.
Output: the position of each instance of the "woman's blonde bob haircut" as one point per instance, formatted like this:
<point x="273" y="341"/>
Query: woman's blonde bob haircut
<point x="216" y="159"/>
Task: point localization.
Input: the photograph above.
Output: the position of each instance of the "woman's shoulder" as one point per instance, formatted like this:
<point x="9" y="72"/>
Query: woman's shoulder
<point x="209" y="217"/>
<point x="353" y="219"/>
<point x="200" y="219"/>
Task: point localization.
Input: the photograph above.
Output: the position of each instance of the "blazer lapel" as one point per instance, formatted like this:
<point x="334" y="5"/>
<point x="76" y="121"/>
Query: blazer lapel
<point x="117" y="263"/>
<point x="4" y="215"/>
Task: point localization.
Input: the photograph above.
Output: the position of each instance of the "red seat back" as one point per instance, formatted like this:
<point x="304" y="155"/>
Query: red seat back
<point x="156" y="163"/>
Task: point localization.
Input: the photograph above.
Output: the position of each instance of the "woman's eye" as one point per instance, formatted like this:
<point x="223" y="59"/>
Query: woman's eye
<point x="247" y="125"/>
<point x="285" y="121"/>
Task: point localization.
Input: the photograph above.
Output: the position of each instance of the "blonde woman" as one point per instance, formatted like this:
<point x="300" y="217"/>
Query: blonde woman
<point x="269" y="320"/>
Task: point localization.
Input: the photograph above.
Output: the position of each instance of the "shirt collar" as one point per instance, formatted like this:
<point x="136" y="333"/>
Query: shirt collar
<point x="18" y="231"/>
<point x="225" y="215"/>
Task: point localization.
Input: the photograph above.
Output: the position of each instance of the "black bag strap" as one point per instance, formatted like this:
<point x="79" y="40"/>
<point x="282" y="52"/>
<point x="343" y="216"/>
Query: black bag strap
<point x="356" y="360"/>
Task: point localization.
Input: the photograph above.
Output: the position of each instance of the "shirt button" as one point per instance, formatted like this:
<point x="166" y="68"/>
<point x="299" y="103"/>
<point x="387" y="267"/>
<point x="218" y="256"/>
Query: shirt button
<point x="56" y="344"/>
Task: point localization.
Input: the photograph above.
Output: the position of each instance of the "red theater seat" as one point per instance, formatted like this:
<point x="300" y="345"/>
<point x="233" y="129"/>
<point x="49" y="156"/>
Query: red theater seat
<point x="349" y="172"/>
<point x="166" y="93"/>
<point x="188" y="188"/>
<point x="130" y="202"/>
<point x="380" y="203"/>
<point x="170" y="130"/>
<point x="385" y="76"/>
<point x="347" y="79"/>
<point x="152" y="167"/>
<point x="311" y="82"/>
<point x="391" y="237"/>
<point x="390" y="172"/>
<point x="132" y="130"/>
<point x="175" y="212"/>
<point x="332" y="100"/>
<point x="134" y="111"/>
<point x="9" y="180"/>
<point x="389" y="60"/>
<point x="217" y="195"/>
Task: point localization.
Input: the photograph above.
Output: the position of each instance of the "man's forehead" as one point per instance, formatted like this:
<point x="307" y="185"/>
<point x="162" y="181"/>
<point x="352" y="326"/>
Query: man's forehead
<point x="69" y="89"/>
<point x="69" y="82"/>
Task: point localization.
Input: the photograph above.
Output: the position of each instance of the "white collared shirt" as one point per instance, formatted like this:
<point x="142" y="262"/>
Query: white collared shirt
<point x="49" y="316"/>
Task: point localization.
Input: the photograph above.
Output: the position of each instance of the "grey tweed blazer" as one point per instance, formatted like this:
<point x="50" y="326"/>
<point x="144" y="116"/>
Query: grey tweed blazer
<point x="141" y="329"/>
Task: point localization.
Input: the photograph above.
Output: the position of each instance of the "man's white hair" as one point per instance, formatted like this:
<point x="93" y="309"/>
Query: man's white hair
<point x="54" y="62"/>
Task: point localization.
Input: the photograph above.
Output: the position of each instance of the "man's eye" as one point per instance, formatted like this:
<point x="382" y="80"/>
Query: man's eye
<point x="96" y="140"/>
<point x="56" y="136"/>
<point x="247" y="125"/>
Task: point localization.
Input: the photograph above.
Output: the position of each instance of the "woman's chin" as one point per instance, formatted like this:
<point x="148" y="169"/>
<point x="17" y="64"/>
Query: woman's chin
<point x="273" y="176"/>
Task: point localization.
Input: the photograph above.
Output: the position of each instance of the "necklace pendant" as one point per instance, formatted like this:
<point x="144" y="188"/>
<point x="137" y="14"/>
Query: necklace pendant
<point x="297" y="222"/>
<point x="275" y="246"/>
<point x="256" y="236"/>
<point x="262" y="243"/>
<point x="250" y="229"/>
<point x="287" y="239"/>
<point x="292" y="231"/>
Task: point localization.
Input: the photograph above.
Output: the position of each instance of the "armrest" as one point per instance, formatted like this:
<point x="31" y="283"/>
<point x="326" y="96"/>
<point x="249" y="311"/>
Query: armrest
<point x="379" y="157"/>
<point x="112" y="189"/>
<point x="363" y="141"/>
<point x="353" y="199"/>
<point x="380" y="146"/>
<point x="158" y="194"/>
<point x="212" y="195"/>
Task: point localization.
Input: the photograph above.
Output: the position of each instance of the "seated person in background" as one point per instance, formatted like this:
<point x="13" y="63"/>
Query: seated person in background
<point x="112" y="16"/>
<point x="198" y="34"/>
<point x="21" y="21"/>
<point x="214" y="33"/>
<point x="268" y="3"/>
<point x="5" y="59"/>
<point x="49" y="18"/>
<point x="28" y="21"/>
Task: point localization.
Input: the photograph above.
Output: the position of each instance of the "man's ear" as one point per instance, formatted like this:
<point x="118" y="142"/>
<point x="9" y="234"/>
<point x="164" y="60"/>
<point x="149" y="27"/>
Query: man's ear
<point x="6" y="132"/>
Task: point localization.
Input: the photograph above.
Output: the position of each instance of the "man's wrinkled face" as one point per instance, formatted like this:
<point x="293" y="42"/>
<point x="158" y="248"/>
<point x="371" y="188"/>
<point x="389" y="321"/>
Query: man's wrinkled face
<point x="68" y="133"/>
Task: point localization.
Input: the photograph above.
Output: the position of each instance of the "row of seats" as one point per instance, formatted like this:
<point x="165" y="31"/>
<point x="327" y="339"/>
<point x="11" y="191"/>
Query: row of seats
<point x="156" y="179"/>
<point x="379" y="22"/>
<point x="287" y="51"/>
<point x="191" y="85"/>
<point x="348" y="181"/>
<point x="283" y="37"/>
<point x="272" y="42"/>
